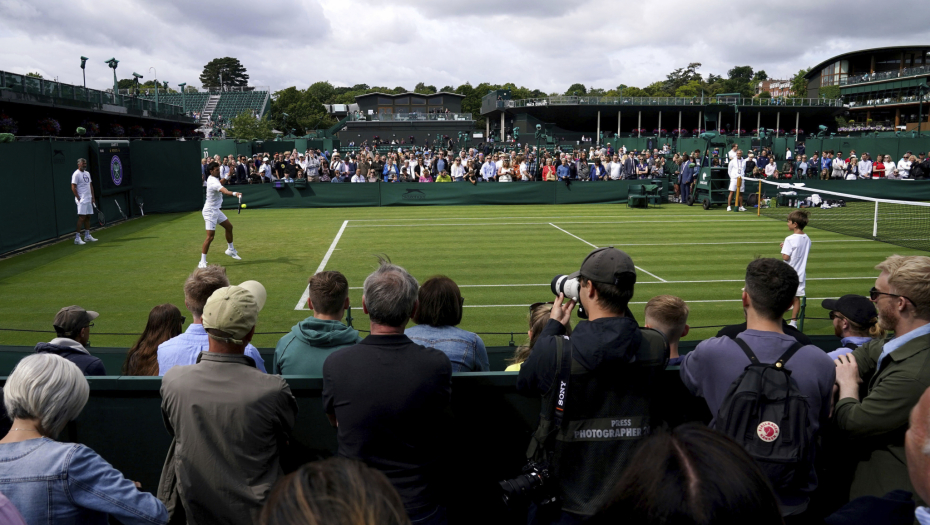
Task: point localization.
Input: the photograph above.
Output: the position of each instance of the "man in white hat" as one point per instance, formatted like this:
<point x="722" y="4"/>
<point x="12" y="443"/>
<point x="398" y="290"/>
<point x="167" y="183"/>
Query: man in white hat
<point x="226" y="419"/>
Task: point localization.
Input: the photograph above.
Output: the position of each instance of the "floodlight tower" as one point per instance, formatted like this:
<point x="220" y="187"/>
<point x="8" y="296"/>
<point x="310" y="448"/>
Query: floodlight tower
<point x="183" y="96"/>
<point x="156" y="87"/>
<point x="136" y="79"/>
<point x="113" y="63"/>
<point x="83" y="74"/>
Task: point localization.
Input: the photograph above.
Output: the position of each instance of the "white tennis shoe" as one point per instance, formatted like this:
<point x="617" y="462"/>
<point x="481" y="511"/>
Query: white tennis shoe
<point x="729" y="208"/>
<point x="742" y="208"/>
<point x="77" y="240"/>
<point x="202" y="264"/>
<point x="89" y="238"/>
<point x="234" y="254"/>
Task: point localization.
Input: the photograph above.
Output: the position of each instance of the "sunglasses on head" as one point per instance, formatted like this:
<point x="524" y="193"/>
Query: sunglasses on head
<point x="537" y="305"/>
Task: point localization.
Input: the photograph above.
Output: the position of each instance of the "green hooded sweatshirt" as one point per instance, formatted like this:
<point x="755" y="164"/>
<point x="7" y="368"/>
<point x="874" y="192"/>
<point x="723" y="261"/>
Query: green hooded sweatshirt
<point x="309" y="343"/>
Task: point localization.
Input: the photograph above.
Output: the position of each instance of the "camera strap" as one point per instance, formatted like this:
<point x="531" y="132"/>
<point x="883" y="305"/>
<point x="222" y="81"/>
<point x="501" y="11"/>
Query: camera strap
<point x="550" y="420"/>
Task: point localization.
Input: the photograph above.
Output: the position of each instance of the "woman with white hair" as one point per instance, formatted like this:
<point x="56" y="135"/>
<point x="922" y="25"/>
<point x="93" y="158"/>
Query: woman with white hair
<point x="64" y="483"/>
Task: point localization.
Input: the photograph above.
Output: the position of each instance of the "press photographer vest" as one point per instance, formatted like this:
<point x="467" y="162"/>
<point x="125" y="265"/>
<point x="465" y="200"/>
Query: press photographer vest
<point x="608" y="411"/>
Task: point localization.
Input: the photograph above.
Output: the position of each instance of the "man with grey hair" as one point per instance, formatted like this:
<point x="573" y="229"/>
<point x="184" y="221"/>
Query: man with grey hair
<point x="387" y="396"/>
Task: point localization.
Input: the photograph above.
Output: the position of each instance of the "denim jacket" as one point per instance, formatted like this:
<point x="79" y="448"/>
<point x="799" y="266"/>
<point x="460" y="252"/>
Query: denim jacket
<point x="465" y="349"/>
<point x="65" y="483"/>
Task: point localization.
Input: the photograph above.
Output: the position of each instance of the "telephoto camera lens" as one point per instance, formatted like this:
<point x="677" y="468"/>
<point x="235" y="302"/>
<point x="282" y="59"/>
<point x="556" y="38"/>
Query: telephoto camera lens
<point x="571" y="288"/>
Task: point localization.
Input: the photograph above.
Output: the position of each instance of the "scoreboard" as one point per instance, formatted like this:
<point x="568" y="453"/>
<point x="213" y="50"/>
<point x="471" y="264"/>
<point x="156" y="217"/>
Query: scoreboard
<point x="111" y="166"/>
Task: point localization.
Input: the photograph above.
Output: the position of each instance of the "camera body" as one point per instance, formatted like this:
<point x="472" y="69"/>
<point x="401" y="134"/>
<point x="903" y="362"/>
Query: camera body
<point x="533" y="484"/>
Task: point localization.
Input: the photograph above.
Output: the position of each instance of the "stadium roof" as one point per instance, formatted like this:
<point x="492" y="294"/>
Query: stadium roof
<point x="816" y="69"/>
<point x="410" y="93"/>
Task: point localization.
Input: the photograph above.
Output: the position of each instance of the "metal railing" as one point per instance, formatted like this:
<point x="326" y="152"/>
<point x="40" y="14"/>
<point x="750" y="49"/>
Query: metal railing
<point x="80" y="97"/>
<point x="150" y="91"/>
<point x="665" y="101"/>
<point x="886" y="75"/>
<point x="885" y="101"/>
<point x="409" y="117"/>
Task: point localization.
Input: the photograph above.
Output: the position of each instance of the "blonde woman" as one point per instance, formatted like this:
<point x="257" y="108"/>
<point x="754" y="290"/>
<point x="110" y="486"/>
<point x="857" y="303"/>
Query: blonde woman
<point x="539" y="316"/>
<point x="506" y="172"/>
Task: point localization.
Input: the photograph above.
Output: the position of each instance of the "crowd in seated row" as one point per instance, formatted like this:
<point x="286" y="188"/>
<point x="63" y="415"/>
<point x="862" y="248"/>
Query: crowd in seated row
<point x="763" y="458"/>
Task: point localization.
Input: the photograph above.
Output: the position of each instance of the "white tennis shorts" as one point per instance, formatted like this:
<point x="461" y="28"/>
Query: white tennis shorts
<point x="85" y="208"/>
<point x="213" y="217"/>
<point x="800" y="290"/>
<point x="733" y="185"/>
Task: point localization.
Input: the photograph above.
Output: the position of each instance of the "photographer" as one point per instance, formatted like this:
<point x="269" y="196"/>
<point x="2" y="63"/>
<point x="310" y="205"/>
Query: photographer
<point x="608" y="395"/>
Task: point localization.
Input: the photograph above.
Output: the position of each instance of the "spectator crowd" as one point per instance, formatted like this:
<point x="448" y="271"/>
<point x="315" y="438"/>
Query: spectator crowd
<point x="786" y="421"/>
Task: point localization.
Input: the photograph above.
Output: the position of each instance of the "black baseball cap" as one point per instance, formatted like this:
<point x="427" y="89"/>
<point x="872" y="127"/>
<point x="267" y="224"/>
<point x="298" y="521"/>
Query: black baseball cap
<point x="856" y="308"/>
<point x="607" y="265"/>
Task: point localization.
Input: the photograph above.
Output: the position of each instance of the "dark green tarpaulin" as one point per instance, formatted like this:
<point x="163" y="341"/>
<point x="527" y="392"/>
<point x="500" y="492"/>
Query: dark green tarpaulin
<point x="167" y="176"/>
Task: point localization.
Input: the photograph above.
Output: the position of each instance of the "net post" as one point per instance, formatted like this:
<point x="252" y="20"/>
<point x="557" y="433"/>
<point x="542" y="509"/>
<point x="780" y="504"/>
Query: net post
<point x="739" y="184"/>
<point x="759" y="201"/>
<point x="875" y="222"/>
<point x="803" y="309"/>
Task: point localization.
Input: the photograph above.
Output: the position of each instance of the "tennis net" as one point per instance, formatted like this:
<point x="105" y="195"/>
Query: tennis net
<point x="896" y="222"/>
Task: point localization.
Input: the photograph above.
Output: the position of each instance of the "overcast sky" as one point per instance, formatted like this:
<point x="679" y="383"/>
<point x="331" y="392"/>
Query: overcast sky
<point x="544" y="44"/>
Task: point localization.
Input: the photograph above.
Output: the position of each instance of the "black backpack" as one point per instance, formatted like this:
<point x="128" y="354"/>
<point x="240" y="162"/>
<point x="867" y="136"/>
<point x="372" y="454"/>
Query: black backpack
<point x="765" y="412"/>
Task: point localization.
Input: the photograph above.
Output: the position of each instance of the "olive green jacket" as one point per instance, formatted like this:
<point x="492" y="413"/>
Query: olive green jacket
<point x="876" y="425"/>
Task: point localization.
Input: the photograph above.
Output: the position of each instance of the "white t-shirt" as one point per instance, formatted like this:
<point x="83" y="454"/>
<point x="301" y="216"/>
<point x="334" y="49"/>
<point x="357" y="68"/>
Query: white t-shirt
<point x="81" y="179"/>
<point x="904" y="168"/>
<point x="797" y="247"/>
<point x="614" y="169"/>
<point x="214" y="197"/>
<point x="358" y="178"/>
<point x="731" y="155"/>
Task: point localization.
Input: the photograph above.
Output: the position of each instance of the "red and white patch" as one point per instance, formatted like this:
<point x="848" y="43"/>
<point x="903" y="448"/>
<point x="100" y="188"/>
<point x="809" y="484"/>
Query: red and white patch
<point x="767" y="431"/>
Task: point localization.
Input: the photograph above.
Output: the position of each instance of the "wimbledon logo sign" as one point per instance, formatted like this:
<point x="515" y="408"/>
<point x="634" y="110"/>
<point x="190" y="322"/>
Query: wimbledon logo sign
<point x="116" y="170"/>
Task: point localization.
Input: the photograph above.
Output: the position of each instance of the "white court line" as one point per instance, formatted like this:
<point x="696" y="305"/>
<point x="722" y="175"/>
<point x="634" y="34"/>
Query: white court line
<point x="649" y="282"/>
<point x="637" y="302"/>
<point x="519" y="217"/>
<point x="589" y="244"/>
<point x="756" y="221"/>
<point x="733" y="242"/>
<point x="332" y="247"/>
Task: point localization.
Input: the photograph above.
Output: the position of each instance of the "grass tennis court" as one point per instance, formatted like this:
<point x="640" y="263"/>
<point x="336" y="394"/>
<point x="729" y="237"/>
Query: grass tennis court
<point x="503" y="257"/>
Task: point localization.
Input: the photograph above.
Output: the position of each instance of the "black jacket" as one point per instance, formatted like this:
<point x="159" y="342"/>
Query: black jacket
<point x="89" y="365"/>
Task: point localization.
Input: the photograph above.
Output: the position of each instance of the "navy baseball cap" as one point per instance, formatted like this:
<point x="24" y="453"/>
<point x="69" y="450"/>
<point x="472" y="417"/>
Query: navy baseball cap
<point x="856" y="308"/>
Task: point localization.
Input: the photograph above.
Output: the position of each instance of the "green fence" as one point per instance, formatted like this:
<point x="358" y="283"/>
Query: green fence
<point x="166" y="175"/>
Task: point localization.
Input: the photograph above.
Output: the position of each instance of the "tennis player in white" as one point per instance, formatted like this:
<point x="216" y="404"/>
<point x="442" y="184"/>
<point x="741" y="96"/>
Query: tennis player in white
<point x="736" y="169"/>
<point x="213" y="216"/>
<point x="85" y="199"/>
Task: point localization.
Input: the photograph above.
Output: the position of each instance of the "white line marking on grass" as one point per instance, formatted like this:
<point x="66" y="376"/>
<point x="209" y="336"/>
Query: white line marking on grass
<point x="589" y="244"/>
<point x="733" y="242"/>
<point x="636" y="302"/>
<point x="649" y="282"/>
<point x="765" y="223"/>
<point x="518" y="217"/>
<point x="321" y="267"/>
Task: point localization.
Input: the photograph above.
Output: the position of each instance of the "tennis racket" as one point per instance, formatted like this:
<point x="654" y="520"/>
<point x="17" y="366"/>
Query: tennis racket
<point x="101" y="218"/>
<point x="239" y="212"/>
<point x="120" y="209"/>
<point x="139" y="202"/>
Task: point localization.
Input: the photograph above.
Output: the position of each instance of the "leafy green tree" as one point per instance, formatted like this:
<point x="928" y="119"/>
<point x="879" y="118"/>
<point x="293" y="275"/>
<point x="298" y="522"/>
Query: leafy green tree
<point x="232" y="70"/>
<point x="765" y="94"/>
<point x="35" y="75"/>
<point x="304" y="111"/>
<point x="799" y="83"/>
<point x="576" y="90"/>
<point x="322" y="91"/>
<point x="830" y="92"/>
<point x="125" y="83"/>
<point x="422" y="88"/>
<point x="691" y="89"/>
<point x="760" y="76"/>
<point x="597" y="92"/>
<point x="447" y="89"/>
<point x="656" y="89"/>
<point x="682" y="76"/>
<point x="246" y="127"/>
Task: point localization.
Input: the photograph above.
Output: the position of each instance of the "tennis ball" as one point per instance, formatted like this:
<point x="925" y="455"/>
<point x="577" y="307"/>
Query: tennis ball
<point x="245" y="206"/>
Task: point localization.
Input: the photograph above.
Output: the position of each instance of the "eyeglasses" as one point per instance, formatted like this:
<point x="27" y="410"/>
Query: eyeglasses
<point x="874" y="293"/>
<point x="834" y="315"/>
<point x="537" y="305"/>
